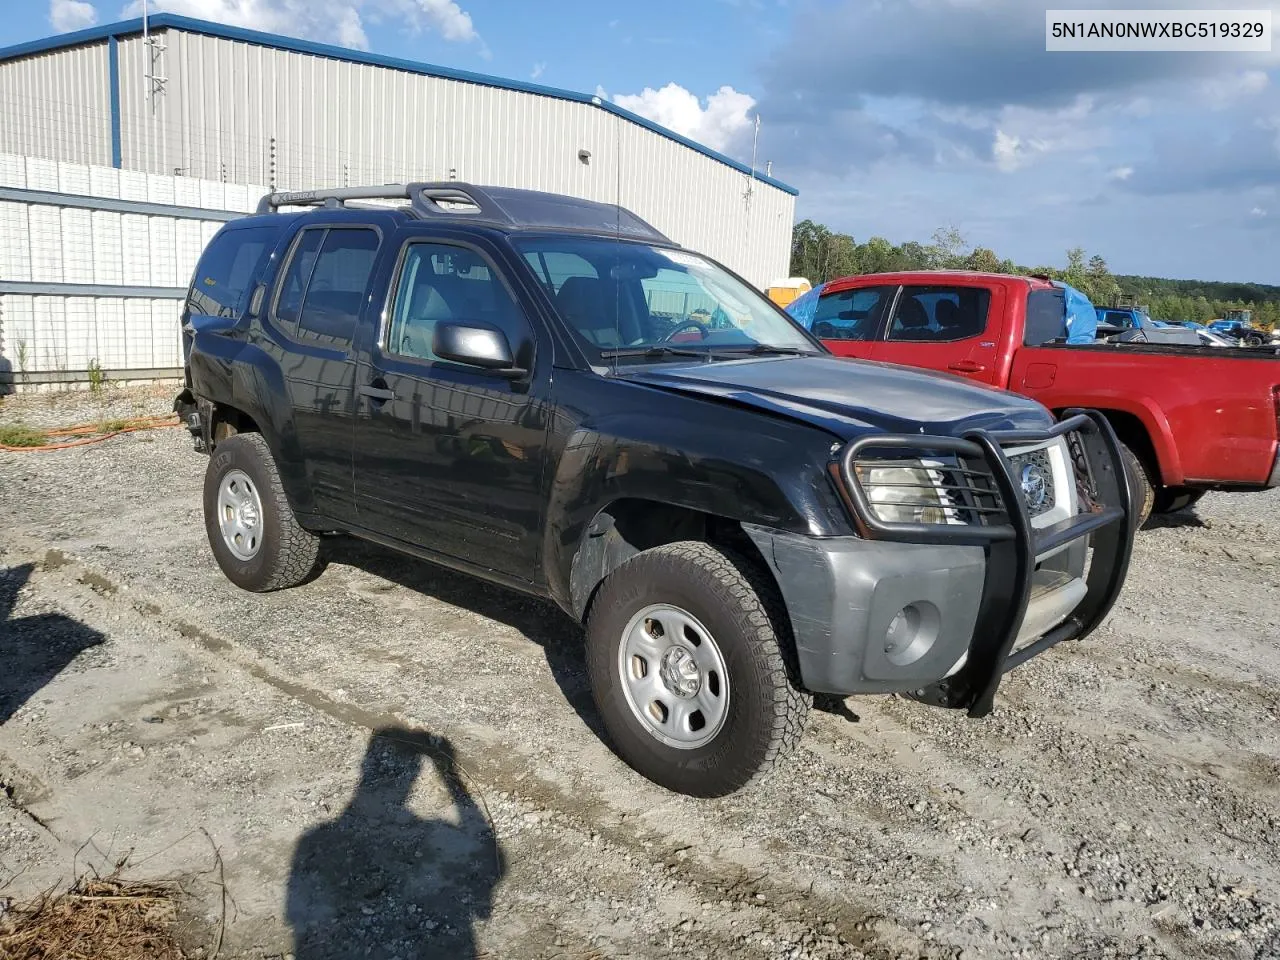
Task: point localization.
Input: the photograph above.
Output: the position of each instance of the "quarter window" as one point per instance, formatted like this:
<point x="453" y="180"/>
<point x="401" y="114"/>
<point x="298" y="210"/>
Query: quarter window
<point x="939" y="314"/>
<point x="441" y="283"/>
<point x="226" y="271"/>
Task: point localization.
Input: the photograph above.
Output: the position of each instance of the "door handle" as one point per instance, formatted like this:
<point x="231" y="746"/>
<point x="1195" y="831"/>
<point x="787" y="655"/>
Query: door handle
<point x="966" y="366"/>
<point x="378" y="394"/>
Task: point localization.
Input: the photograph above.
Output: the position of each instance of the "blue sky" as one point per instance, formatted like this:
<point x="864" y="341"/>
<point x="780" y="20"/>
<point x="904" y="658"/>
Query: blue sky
<point x="892" y="117"/>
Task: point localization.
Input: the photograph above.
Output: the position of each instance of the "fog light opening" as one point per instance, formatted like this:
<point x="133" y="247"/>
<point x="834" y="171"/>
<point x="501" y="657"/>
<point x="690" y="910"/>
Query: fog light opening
<point x="911" y="633"/>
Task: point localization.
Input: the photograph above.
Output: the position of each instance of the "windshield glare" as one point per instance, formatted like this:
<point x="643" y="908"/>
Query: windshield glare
<point x="620" y="296"/>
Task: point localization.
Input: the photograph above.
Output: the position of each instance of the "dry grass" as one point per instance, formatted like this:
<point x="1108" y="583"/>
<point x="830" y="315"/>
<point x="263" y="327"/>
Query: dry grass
<point x="99" y="918"/>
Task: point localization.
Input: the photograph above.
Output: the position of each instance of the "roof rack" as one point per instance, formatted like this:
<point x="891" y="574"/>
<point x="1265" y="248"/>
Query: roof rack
<point x="499" y="206"/>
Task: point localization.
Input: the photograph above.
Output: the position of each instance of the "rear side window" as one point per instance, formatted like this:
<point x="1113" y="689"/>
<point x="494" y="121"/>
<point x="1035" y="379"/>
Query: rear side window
<point x="337" y="287"/>
<point x="851" y="314"/>
<point x="939" y="314"/>
<point x="325" y="283"/>
<point x="1046" y="317"/>
<point x="226" y="271"/>
<point x="301" y="261"/>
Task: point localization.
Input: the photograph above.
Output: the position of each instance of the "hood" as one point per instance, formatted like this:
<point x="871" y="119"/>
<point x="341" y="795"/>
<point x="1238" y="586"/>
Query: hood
<point x="850" y="398"/>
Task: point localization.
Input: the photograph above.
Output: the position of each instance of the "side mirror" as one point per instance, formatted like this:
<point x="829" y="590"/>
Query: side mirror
<point x="475" y="346"/>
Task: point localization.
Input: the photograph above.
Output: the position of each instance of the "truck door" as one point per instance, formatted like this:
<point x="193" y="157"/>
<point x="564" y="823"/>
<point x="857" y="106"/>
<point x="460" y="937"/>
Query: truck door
<point x="449" y="457"/>
<point x="955" y="328"/>
<point x="321" y="294"/>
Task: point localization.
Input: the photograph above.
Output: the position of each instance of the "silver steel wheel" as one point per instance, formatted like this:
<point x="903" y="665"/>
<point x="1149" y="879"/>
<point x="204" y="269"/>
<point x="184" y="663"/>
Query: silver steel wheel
<point x="240" y="515"/>
<point x="673" y="676"/>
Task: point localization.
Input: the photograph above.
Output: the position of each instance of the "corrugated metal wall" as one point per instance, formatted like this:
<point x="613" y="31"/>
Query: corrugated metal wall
<point x="245" y="113"/>
<point x="57" y="105"/>
<point x="56" y="336"/>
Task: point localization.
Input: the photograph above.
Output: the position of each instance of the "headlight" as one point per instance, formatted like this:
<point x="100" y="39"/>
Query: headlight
<point x="904" y="492"/>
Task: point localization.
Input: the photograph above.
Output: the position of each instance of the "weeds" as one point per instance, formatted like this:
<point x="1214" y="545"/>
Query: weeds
<point x="20" y="435"/>
<point x="97" y="376"/>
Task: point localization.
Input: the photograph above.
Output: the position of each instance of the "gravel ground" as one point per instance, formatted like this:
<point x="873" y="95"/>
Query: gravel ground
<point x="48" y="410"/>
<point x="1122" y="801"/>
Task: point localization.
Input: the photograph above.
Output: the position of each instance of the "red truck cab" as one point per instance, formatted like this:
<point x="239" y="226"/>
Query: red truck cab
<point x="1192" y="418"/>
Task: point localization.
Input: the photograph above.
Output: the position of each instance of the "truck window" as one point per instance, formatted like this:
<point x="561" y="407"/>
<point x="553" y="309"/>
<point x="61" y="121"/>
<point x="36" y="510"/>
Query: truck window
<point x="851" y="314"/>
<point x="336" y="290"/>
<point x="301" y="260"/>
<point x="225" y="273"/>
<point x="441" y="283"/>
<point x="554" y="267"/>
<point x="939" y="314"/>
<point x="1046" y="317"/>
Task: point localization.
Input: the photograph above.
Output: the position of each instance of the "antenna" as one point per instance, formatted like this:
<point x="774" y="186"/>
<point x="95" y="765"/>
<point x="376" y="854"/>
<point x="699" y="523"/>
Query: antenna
<point x="155" y="82"/>
<point x="751" y="186"/>
<point x="617" y="229"/>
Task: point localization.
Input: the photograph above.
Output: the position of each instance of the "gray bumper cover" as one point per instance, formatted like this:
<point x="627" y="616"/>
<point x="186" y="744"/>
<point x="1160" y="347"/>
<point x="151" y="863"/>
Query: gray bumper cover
<point x="843" y="593"/>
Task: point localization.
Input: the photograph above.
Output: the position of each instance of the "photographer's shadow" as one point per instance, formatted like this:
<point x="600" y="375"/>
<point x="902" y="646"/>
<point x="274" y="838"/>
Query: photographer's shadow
<point x="379" y="881"/>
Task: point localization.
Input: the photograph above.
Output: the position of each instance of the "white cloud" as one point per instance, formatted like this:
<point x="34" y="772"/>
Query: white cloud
<point x="1120" y="173"/>
<point x="68" y="15"/>
<point x="722" y="123"/>
<point x="537" y="70"/>
<point x="450" y="20"/>
<point x="1222" y="92"/>
<point x="1258" y="212"/>
<point x="1012" y="152"/>
<point x="333" y="21"/>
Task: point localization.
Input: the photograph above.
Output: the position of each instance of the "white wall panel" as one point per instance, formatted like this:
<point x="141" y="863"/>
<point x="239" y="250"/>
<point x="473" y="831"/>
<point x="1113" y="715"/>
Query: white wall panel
<point x="46" y="243"/>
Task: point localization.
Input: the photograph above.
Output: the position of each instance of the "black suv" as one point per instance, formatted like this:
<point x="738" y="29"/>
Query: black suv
<point x="547" y="393"/>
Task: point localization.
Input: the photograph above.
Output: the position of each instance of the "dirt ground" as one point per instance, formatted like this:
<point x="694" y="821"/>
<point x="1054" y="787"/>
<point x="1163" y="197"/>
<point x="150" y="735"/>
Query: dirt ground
<point x="395" y="761"/>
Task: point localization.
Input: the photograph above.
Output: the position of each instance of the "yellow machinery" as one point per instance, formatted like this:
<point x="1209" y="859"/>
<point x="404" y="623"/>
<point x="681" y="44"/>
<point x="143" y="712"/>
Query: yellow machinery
<point x="782" y="292"/>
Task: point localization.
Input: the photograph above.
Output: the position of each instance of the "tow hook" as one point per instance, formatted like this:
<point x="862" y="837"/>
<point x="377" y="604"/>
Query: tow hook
<point x="196" y="428"/>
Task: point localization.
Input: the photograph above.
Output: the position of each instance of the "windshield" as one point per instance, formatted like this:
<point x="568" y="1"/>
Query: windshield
<point x="627" y="299"/>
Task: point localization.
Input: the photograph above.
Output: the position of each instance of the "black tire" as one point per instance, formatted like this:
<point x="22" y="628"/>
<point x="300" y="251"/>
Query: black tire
<point x="766" y="710"/>
<point x="1173" y="499"/>
<point x="287" y="555"/>
<point x="1142" y="490"/>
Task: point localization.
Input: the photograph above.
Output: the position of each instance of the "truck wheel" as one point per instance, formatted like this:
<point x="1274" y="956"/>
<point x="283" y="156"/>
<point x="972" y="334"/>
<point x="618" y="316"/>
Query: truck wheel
<point x="686" y="651"/>
<point x="1173" y="499"/>
<point x="1142" y="491"/>
<point x="251" y="527"/>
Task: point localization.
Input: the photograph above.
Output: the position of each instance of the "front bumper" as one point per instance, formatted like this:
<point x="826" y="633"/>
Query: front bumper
<point x="984" y="597"/>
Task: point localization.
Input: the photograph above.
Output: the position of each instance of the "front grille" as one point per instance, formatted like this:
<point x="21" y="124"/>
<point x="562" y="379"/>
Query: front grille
<point x="1033" y="475"/>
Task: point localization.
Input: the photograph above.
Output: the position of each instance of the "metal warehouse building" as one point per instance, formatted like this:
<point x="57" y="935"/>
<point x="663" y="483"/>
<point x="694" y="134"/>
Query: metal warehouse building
<point x="183" y="122"/>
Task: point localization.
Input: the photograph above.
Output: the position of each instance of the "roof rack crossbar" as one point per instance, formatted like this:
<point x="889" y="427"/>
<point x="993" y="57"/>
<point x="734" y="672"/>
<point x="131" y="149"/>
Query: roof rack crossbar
<point x="428" y="200"/>
<point x="498" y="206"/>
<point x="332" y="196"/>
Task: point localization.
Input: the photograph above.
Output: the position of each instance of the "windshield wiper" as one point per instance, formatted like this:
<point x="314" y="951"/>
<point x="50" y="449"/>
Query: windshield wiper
<point x="651" y="353"/>
<point x="763" y="349"/>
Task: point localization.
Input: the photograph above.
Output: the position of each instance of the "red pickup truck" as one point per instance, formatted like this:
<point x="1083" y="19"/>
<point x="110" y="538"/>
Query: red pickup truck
<point x="1191" y="418"/>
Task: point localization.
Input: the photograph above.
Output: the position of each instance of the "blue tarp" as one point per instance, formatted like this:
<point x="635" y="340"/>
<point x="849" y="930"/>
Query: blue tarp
<point x="1082" y="318"/>
<point x="803" y="307"/>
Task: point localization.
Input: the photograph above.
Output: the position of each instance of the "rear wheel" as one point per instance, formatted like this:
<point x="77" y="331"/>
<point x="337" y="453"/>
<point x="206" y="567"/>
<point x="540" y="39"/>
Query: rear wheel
<point x="252" y="531"/>
<point x="686" y="650"/>
<point x="1142" y="490"/>
<point x="1173" y="499"/>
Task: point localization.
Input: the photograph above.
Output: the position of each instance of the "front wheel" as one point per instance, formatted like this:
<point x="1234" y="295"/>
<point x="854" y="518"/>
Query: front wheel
<point x="252" y="531"/>
<point x="687" y="655"/>
<point x="1173" y="499"/>
<point x="1142" y="491"/>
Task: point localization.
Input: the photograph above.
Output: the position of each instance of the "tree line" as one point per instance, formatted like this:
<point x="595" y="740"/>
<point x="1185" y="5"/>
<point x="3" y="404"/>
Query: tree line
<point x="820" y="254"/>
